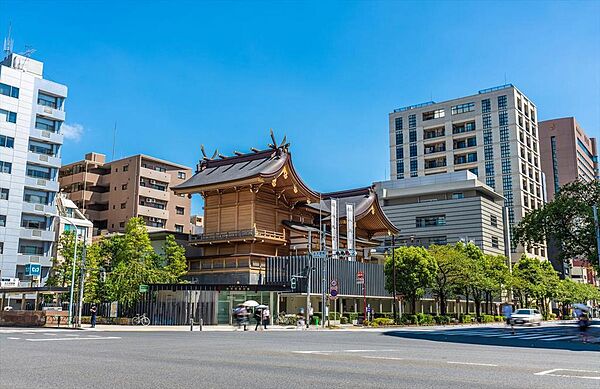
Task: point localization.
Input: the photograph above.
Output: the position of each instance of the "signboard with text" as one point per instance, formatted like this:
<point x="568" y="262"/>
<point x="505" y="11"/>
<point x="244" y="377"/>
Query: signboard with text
<point x="33" y="269"/>
<point x="334" y="227"/>
<point x="350" y="230"/>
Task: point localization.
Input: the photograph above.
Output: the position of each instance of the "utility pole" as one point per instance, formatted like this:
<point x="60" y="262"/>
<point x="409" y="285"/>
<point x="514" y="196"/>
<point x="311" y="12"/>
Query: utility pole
<point x="73" y="277"/>
<point x="507" y="245"/>
<point x="394" y="302"/>
<point x="83" y="253"/>
<point x="597" y="228"/>
<point x="308" y="271"/>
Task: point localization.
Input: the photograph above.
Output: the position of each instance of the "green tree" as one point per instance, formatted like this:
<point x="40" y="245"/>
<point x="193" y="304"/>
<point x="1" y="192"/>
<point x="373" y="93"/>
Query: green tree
<point x="451" y="264"/>
<point x="567" y="220"/>
<point x="415" y="272"/>
<point x="62" y="265"/>
<point x="174" y="261"/>
<point x="496" y="278"/>
<point x="473" y="282"/>
<point x="535" y="281"/>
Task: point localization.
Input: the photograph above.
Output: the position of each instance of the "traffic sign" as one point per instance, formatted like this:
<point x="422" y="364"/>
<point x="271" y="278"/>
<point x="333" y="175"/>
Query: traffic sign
<point x="143" y="288"/>
<point x="360" y="277"/>
<point x="293" y="283"/>
<point x="333" y="293"/>
<point x="333" y="284"/>
<point x="33" y="269"/>
<point x="319" y="254"/>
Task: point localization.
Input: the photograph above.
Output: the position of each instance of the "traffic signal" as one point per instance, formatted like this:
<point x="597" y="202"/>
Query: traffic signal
<point x="293" y="283"/>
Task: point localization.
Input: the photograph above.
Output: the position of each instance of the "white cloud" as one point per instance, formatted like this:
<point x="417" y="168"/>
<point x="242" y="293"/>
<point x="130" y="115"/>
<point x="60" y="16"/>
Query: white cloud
<point x="72" y="131"/>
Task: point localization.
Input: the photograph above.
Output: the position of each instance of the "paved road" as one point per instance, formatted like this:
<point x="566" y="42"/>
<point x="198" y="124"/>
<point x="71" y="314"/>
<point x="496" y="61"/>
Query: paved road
<point x="294" y="359"/>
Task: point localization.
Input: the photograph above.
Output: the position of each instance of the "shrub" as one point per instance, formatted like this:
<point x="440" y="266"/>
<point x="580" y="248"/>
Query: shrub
<point x="382" y="321"/>
<point x="387" y="315"/>
<point x="466" y="319"/>
<point x="344" y="320"/>
<point x="409" y="319"/>
<point x="499" y="318"/>
<point x="550" y="316"/>
<point x="487" y="319"/>
<point x="441" y="319"/>
<point x="424" y="319"/>
<point x="352" y="316"/>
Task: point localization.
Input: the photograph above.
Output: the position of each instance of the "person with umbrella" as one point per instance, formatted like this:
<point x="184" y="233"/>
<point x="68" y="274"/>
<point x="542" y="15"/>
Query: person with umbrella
<point x="262" y="316"/>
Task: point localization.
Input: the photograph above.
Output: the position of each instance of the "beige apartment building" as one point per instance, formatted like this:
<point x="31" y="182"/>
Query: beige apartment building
<point x="493" y="134"/>
<point x="110" y="193"/>
<point x="567" y="153"/>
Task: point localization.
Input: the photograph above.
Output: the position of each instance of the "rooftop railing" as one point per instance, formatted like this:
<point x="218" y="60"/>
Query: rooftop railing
<point x="251" y="233"/>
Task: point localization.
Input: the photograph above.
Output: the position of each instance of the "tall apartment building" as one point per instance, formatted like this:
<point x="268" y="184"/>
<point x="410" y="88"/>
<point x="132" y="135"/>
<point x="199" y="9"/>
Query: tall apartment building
<point x="567" y="154"/>
<point x="31" y="115"/>
<point x="110" y="193"/>
<point x="493" y="134"/>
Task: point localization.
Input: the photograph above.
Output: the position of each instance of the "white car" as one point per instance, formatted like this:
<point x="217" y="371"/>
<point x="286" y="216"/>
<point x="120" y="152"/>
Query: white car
<point x="526" y="316"/>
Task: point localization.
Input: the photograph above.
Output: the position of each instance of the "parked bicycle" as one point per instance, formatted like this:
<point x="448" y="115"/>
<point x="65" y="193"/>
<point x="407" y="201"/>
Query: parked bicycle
<point x="140" y="320"/>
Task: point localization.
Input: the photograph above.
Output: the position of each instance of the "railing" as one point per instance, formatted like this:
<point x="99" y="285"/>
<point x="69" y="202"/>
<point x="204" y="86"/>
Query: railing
<point x="495" y="88"/>
<point x="414" y="106"/>
<point x="237" y="235"/>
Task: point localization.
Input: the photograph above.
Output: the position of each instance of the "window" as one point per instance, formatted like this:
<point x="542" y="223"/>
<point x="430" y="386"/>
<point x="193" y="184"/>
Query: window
<point x="125" y="168"/>
<point x="474" y="170"/>
<point x="491" y="182"/>
<point x="2" y="220"/>
<point x="495" y="242"/>
<point x="434" y="133"/>
<point x="486" y="106"/>
<point x="49" y="100"/>
<point x="36" y="197"/>
<point x="1" y="247"/>
<point x="489" y="168"/>
<point x="41" y="148"/>
<point x="5" y="167"/>
<point x="399" y="170"/>
<point x="504" y="134"/>
<point x="181" y="175"/>
<point x="463" y="127"/>
<point x="503" y="118"/>
<point x="430" y="221"/>
<point x="123" y="205"/>
<point x="35" y="171"/>
<point x="399" y="138"/>
<point x="178" y="228"/>
<point x="502" y="102"/>
<point x="399" y="152"/>
<point x="3" y="194"/>
<point x="438" y="113"/>
<point x="465" y="158"/>
<point x="458" y="195"/>
<point x="488" y="152"/>
<point x="124" y="187"/>
<point x="504" y="150"/>
<point x="506" y="166"/>
<point x="412" y="121"/>
<point x="487" y="120"/>
<point x="122" y="225"/>
<point x="412" y="136"/>
<point x="554" y="163"/>
<point x="46" y="124"/>
<point x="33" y="222"/>
<point x="8" y="90"/>
<point x="9" y="116"/>
<point x="179" y="210"/>
<point x="493" y="220"/>
<point x="413" y="150"/>
<point x="7" y="141"/>
<point x="413" y="165"/>
<point x="398" y="124"/>
<point x="462" y="108"/>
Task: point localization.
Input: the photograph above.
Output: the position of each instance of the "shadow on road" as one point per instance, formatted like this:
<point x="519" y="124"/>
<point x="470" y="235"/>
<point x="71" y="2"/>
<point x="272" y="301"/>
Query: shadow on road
<point x="504" y="338"/>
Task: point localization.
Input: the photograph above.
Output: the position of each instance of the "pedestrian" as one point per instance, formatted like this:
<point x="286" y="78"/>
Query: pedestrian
<point x="257" y="317"/>
<point x="265" y="315"/>
<point x="241" y="317"/>
<point x="93" y="312"/>
<point x="584" y="323"/>
<point x="311" y="312"/>
<point x="507" y="313"/>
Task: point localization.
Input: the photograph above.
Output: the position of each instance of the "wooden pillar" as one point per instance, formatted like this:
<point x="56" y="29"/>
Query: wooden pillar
<point x="23" y="302"/>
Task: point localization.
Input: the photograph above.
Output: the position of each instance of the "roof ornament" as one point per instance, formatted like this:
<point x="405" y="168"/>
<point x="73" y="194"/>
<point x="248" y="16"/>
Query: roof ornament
<point x="283" y="146"/>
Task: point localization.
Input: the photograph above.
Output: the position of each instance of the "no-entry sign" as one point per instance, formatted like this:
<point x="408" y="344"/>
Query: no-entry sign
<point x="360" y="277"/>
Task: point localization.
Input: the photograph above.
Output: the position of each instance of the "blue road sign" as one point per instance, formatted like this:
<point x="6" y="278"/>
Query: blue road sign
<point x="33" y="269"/>
<point x="333" y="293"/>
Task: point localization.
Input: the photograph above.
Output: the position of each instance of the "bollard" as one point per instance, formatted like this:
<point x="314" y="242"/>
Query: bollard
<point x="191" y="323"/>
<point x="201" y="323"/>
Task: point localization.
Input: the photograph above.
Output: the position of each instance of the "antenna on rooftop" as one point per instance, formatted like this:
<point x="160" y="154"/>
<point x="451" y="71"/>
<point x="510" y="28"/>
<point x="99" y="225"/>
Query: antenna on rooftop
<point x="8" y="42"/>
<point x="114" y="141"/>
<point x="28" y="51"/>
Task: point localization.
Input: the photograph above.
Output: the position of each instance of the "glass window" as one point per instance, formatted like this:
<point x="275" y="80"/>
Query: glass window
<point x="438" y="113"/>
<point x="399" y="138"/>
<point x="5" y="167"/>
<point x="35" y="171"/>
<point x="9" y="116"/>
<point x="413" y="165"/>
<point x="462" y="108"/>
<point x="41" y="148"/>
<point x="123" y="205"/>
<point x="179" y="210"/>
<point x="463" y="127"/>
<point x="2" y="220"/>
<point x="178" y="228"/>
<point x="412" y="121"/>
<point x="398" y="123"/>
<point x="3" y="194"/>
<point x="487" y="120"/>
<point x="413" y="150"/>
<point x="412" y="136"/>
<point x="46" y="124"/>
<point x="8" y="90"/>
<point x="458" y="195"/>
<point x="495" y="242"/>
<point x="486" y="106"/>
<point x="181" y="175"/>
<point x="494" y="220"/>
<point x="125" y="168"/>
<point x="502" y="102"/>
<point x="7" y="141"/>
<point x="430" y="221"/>
<point x="124" y="187"/>
<point x="399" y="152"/>
<point x="49" y="100"/>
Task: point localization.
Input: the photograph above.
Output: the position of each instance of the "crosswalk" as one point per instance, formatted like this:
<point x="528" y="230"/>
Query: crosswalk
<point x="541" y="334"/>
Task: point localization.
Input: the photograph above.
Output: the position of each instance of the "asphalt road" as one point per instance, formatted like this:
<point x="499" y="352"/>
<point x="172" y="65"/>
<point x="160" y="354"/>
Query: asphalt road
<point x="477" y="357"/>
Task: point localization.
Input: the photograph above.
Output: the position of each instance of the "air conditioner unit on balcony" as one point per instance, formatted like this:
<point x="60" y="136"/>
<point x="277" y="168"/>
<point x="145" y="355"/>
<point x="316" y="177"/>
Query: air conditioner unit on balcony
<point x="46" y="134"/>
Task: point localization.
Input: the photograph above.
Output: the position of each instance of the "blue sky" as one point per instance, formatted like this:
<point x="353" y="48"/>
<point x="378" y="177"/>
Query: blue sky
<point x="174" y="75"/>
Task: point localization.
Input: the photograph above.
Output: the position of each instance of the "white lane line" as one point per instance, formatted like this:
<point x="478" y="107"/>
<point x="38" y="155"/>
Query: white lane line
<point x="539" y="337"/>
<point x="71" y="334"/>
<point x="471" y="363"/>
<point x="553" y="371"/>
<point x="29" y="333"/>
<point x="49" y="334"/>
<point x="60" y="339"/>
<point x="387" y="358"/>
<point x="338" y="351"/>
<point x="563" y="338"/>
<point x="12" y="338"/>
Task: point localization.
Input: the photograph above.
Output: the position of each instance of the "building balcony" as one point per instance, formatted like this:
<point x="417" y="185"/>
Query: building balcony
<point x="32" y="234"/>
<point x="154" y="193"/>
<point x="24" y="259"/>
<point x="38" y="209"/>
<point x="52" y="113"/>
<point x="155" y="175"/>
<point x="249" y="235"/>
<point x="46" y="136"/>
<point x="44" y="159"/>
<point x="153" y="212"/>
<point x="40" y="183"/>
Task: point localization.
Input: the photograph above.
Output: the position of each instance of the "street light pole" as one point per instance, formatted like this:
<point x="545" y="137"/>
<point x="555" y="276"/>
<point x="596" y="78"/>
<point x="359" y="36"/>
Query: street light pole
<point x="597" y="229"/>
<point x="82" y="274"/>
<point x="394" y="309"/>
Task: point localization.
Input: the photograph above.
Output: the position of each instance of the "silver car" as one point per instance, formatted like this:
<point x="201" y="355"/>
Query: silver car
<point x="526" y="316"/>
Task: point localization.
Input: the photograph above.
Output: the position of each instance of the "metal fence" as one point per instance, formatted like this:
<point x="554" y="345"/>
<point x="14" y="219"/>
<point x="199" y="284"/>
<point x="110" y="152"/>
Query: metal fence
<point x="281" y="269"/>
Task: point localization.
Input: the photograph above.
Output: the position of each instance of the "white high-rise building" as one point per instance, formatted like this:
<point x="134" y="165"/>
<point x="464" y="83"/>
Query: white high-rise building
<point x="31" y="115"/>
<point x="493" y="134"/>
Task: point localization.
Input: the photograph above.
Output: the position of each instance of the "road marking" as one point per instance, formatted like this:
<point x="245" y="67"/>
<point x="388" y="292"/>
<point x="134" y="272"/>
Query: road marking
<point x="551" y="373"/>
<point x="388" y="358"/>
<point x="471" y="363"/>
<point x="71" y="334"/>
<point x="11" y="338"/>
<point x="49" y="334"/>
<point x="59" y="339"/>
<point x="562" y="338"/>
<point x="338" y="351"/>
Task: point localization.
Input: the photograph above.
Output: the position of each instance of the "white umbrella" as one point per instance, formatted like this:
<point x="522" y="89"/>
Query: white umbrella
<point x="250" y="303"/>
<point x="582" y="307"/>
<point x="261" y="306"/>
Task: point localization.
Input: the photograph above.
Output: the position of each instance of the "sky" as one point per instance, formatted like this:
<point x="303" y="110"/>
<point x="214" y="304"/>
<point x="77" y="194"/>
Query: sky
<point x="174" y="75"/>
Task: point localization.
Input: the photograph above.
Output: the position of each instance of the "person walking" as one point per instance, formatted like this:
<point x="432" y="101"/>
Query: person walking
<point x="258" y="318"/>
<point x="265" y="317"/>
<point x="93" y="312"/>
<point x="507" y="313"/>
